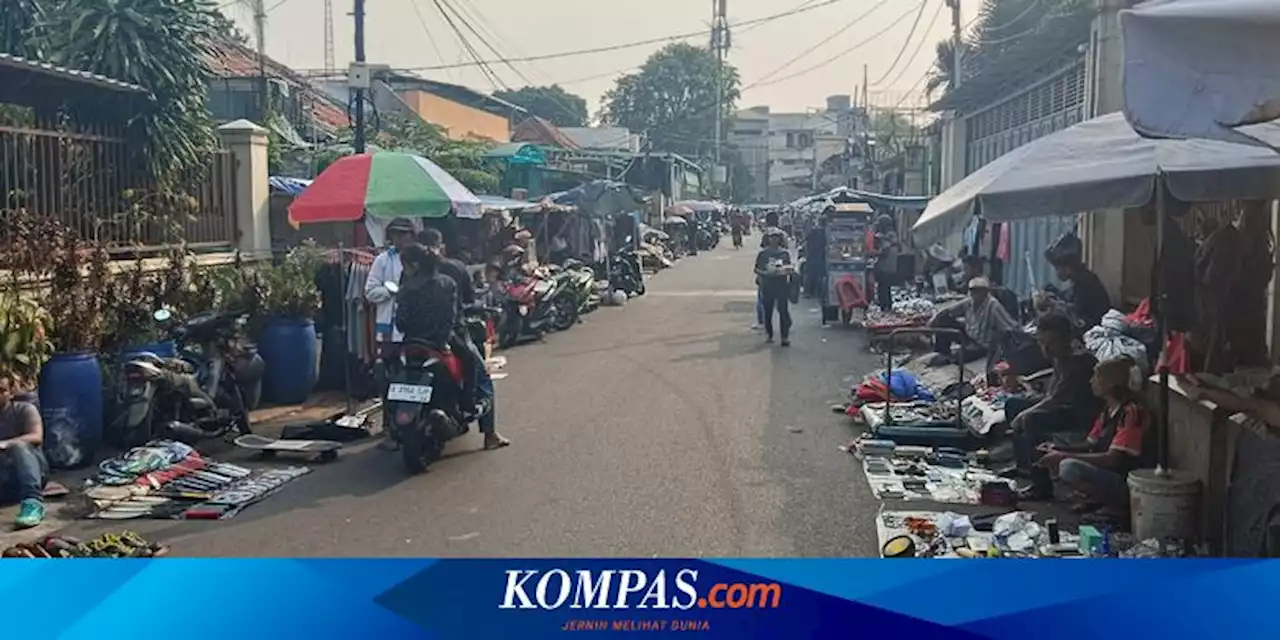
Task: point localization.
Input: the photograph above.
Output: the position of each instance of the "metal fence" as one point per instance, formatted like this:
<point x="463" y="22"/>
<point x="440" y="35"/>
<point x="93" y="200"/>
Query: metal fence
<point x="90" y="180"/>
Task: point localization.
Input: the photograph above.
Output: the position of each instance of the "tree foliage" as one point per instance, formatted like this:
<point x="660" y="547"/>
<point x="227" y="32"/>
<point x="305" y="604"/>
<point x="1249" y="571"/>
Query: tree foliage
<point x="160" y="45"/>
<point x="463" y="159"/>
<point x="552" y="103"/>
<point x="16" y="22"/>
<point x="1001" y="26"/>
<point x="672" y="100"/>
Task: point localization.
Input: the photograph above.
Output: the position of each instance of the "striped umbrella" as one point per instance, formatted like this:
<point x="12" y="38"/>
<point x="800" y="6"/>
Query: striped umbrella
<point x="383" y="185"/>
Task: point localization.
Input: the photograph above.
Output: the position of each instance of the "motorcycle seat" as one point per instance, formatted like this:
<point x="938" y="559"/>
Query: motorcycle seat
<point x="200" y="404"/>
<point x="425" y="352"/>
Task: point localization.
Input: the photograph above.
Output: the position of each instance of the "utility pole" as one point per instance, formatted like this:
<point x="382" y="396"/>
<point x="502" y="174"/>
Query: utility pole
<point x="260" y="34"/>
<point x="865" y="103"/>
<point x="358" y="68"/>
<point x="719" y="46"/>
<point x="957" y="39"/>
<point x="329" y="64"/>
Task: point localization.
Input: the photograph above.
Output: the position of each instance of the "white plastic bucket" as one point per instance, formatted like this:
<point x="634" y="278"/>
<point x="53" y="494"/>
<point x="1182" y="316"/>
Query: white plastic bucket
<point x="1163" y="504"/>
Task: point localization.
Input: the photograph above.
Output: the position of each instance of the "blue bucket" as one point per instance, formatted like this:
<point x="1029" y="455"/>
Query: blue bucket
<point x="71" y="406"/>
<point x="289" y="349"/>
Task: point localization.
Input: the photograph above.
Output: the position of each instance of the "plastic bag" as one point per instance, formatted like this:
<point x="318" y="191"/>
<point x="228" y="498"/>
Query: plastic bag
<point x="1107" y="344"/>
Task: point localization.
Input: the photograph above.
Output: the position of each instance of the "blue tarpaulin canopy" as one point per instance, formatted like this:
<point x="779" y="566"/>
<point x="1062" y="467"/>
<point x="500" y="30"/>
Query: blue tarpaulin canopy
<point x="517" y="153"/>
<point x="290" y="186"/>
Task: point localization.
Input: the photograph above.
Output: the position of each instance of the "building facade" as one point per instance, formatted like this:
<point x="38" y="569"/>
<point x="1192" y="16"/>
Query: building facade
<point x="792" y="155"/>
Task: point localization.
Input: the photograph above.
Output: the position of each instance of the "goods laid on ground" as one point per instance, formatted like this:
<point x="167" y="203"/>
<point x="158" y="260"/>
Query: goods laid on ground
<point x="1015" y="534"/>
<point x="170" y="480"/>
<point x="922" y="473"/>
<point x="125" y="544"/>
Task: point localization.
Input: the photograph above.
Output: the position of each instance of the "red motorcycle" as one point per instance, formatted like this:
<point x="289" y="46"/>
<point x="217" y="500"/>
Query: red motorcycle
<point x="528" y="308"/>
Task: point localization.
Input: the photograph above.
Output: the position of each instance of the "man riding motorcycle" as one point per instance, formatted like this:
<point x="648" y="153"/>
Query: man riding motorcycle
<point x="478" y="386"/>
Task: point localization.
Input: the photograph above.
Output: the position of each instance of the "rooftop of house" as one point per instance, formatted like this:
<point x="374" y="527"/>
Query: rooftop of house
<point x="540" y="131"/>
<point x="233" y="60"/>
<point x="611" y="138"/>
<point x="17" y="63"/>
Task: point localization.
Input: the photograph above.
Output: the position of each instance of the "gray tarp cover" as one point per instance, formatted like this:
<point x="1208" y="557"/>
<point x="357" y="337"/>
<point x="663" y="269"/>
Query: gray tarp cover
<point x="1102" y="164"/>
<point x="1196" y="68"/>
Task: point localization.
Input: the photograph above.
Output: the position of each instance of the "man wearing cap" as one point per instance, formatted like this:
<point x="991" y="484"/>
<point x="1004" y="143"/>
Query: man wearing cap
<point x="387" y="268"/>
<point x="982" y="318"/>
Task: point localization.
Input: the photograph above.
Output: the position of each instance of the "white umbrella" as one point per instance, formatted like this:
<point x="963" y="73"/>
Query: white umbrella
<point x="1201" y="68"/>
<point x="1102" y="164"/>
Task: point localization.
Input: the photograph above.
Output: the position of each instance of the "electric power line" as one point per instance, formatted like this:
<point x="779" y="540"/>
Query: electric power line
<point x="824" y="41"/>
<point x="919" y="46"/>
<point x="905" y="43"/>
<point x="630" y="45"/>
<point x="842" y="54"/>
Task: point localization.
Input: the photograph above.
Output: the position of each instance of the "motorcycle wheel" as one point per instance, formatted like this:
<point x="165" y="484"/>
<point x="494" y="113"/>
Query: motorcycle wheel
<point x="564" y="313"/>
<point x="640" y="286"/>
<point x="413" y="445"/>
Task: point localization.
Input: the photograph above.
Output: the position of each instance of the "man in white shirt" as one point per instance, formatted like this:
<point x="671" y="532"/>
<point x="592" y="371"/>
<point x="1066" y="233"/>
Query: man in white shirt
<point x="387" y="268"/>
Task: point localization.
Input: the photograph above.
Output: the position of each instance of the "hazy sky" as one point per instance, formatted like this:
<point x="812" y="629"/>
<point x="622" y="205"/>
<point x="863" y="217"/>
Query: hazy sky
<point x="397" y="36"/>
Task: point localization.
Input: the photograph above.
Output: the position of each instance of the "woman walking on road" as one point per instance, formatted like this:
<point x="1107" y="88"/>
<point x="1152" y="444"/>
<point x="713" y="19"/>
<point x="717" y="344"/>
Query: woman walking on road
<point x="773" y="272"/>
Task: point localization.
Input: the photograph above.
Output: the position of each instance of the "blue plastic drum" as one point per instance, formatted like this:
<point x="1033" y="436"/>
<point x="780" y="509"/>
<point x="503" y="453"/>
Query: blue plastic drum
<point x="71" y="406"/>
<point x="289" y="348"/>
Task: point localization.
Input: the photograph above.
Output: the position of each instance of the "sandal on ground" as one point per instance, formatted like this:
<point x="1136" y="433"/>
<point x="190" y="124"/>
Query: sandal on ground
<point x="497" y="444"/>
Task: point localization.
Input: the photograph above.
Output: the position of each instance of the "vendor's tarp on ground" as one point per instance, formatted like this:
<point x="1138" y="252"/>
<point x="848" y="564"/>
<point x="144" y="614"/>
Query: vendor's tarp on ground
<point x="1100" y="164"/>
<point x="1197" y="68"/>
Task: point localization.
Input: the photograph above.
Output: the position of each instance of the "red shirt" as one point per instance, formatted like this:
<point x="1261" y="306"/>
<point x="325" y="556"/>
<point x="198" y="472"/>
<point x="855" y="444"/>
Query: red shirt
<point x="1123" y="429"/>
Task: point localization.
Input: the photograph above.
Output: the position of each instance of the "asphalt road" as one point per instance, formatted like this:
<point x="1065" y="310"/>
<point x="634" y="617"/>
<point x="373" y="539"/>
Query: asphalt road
<point x="663" y="428"/>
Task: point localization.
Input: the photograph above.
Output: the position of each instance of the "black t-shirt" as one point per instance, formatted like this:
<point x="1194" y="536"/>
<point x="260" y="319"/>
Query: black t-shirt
<point x="427" y="308"/>
<point x="1089" y="299"/>
<point x="457" y="272"/>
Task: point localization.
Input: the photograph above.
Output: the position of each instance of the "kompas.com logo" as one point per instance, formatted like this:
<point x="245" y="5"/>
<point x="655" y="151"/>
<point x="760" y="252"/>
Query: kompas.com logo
<point x="631" y="589"/>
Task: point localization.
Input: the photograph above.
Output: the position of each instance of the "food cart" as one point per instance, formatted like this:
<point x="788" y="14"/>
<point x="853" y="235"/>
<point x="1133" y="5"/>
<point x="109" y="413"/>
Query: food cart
<point x="848" y="260"/>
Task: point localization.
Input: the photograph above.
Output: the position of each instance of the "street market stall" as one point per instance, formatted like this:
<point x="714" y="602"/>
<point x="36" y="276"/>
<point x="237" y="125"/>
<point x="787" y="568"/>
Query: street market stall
<point x="1104" y="164"/>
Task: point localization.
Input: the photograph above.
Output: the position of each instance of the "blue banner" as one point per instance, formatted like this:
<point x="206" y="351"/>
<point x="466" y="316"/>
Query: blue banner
<point x="445" y="599"/>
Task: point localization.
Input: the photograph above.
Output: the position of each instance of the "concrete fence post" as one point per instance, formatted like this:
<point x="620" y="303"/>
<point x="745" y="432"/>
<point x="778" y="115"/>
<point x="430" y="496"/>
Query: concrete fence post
<point x="247" y="143"/>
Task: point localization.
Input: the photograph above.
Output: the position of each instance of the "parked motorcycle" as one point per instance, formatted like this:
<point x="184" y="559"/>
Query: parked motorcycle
<point x="708" y="236"/>
<point x="530" y="307"/>
<point x="625" y="272"/>
<point x="582" y="282"/>
<point x="424" y="394"/>
<point x="199" y="395"/>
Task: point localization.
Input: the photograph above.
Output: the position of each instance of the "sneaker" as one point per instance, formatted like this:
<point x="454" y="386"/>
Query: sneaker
<point x="768" y="338"/>
<point x="786" y="342"/>
<point x="30" y="514"/>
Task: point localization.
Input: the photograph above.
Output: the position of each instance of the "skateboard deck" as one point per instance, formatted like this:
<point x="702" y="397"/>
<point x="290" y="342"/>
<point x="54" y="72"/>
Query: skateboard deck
<point x="324" y="450"/>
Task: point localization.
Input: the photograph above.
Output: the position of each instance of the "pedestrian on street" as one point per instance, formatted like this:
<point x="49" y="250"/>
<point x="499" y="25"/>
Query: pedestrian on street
<point x="773" y="273"/>
<point x="886" y="266"/>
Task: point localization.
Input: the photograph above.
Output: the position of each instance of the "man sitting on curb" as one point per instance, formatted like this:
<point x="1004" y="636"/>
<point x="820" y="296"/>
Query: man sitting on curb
<point x="23" y="469"/>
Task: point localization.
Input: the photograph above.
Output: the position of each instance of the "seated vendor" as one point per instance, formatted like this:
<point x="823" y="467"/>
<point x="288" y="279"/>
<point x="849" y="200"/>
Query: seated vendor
<point x="1098" y="469"/>
<point x="1068" y="407"/>
<point x="982" y="318"/>
<point x="23" y="468"/>
<point x="1087" y="296"/>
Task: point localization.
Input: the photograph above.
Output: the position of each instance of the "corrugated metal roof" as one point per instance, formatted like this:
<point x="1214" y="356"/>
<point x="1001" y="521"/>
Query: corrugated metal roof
<point x="540" y="131"/>
<point x="24" y="64"/>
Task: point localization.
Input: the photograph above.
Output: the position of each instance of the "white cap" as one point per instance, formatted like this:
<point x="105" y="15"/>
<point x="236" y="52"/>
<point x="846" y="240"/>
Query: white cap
<point x="979" y="283"/>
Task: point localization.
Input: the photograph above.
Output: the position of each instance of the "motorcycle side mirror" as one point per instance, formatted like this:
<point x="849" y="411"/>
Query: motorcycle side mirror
<point x="392" y="287"/>
<point x="162" y="315"/>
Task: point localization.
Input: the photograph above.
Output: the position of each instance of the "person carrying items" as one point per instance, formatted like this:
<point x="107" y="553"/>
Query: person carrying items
<point x="1098" y="469"/>
<point x="478" y="386"/>
<point x="1087" y="298"/>
<point x="23" y="468"/>
<point x="1068" y="407"/>
<point x="886" y="266"/>
<point x="983" y="319"/>
<point x="773" y="276"/>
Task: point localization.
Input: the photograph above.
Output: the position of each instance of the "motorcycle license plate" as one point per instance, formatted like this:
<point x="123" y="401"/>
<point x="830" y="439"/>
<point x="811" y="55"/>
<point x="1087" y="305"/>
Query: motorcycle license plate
<point x="415" y="393"/>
